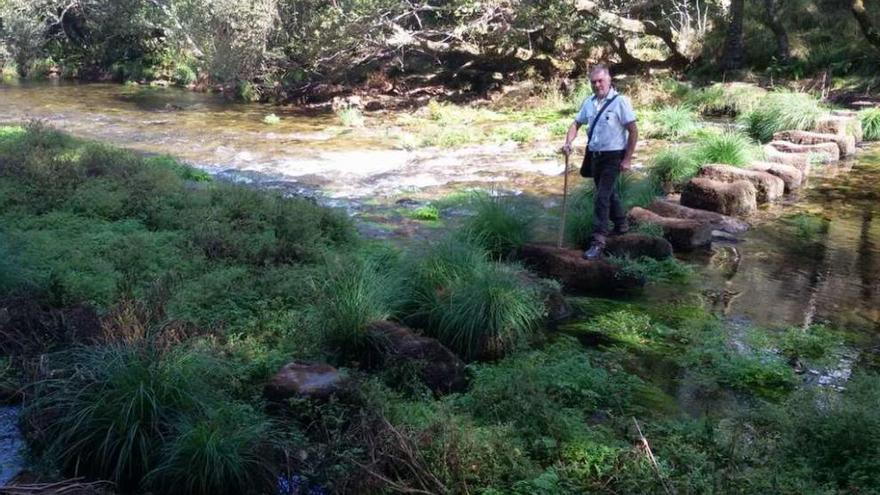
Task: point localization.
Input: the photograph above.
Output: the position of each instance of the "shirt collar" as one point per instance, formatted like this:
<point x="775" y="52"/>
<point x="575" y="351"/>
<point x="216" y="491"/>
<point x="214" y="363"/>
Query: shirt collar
<point x="611" y="93"/>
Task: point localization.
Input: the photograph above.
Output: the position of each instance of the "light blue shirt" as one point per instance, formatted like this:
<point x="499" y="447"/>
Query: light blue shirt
<point x="610" y="133"/>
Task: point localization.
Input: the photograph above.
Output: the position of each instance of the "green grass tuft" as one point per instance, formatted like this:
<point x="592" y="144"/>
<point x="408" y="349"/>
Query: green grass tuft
<point x="870" y="118"/>
<point x="672" y="167"/>
<point x="731" y="148"/>
<point x="671" y="122"/>
<point x="782" y="111"/>
<point x="501" y="224"/>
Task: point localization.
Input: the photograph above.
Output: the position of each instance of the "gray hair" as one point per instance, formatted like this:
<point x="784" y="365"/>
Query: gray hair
<point x="600" y="68"/>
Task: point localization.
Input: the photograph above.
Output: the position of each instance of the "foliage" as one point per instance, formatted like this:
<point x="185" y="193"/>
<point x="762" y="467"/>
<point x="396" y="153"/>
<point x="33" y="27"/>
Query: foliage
<point x="673" y="166"/>
<point x="271" y="119"/>
<point x="501" y="224"/>
<point x="731" y="148"/>
<point x="668" y="270"/>
<point x="428" y="212"/>
<point x="782" y="111"/>
<point x="807" y="228"/>
<point x="671" y="122"/>
<point x="813" y="342"/>
<point x="870" y="118"/>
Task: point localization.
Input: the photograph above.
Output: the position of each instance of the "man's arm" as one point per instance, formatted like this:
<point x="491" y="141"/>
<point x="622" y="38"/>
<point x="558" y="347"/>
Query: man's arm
<point x="570" y="136"/>
<point x="631" y="141"/>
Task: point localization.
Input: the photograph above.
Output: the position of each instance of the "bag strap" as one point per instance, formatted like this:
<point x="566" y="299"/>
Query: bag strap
<point x="593" y="125"/>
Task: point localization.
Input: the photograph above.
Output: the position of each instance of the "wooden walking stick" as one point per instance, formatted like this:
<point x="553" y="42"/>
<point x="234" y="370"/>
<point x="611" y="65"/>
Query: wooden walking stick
<point x="564" y="200"/>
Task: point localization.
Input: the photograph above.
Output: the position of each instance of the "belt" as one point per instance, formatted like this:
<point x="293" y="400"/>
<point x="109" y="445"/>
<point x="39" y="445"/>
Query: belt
<point x="596" y="154"/>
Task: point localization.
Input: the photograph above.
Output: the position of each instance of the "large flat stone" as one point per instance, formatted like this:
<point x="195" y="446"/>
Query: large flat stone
<point x="438" y="367"/>
<point x="727" y="198"/>
<point x="800" y="161"/>
<point x="300" y="379"/>
<point x="666" y="208"/>
<point x="768" y="187"/>
<point x="683" y="234"/>
<point x="842" y="124"/>
<point x="636" y="245"/>
<point x="575" y="273"/>
<point x="847" y="144"/>
<point x="791" y="176"/>
<point x="822" y="152"/>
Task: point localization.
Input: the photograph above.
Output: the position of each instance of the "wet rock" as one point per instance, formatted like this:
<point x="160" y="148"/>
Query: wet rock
<point x="575" y="273"/>
<point x="847" y="144"/>
<point x="721" y="236"/>
<point x="727" y="198"/>
<point x="791" y="176"/>
<point x="439" y="369"/>
<point x="682" y="234"/>
<point x="638" y="245"/>
<point x="27" y="327"/>
<point x="555" y="304"/>
<point x="768" y="187"/>
<point x="800" y="161"/>
<point x="299" y="379"/>
<point x="666" y="208"/>
<point x="822" y="152"/>
<point x="842" y="124"/>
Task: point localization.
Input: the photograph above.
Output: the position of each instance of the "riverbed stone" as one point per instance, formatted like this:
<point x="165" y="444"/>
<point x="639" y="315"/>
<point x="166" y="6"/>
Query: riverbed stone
<point x="791" y="176"/>
<point x="667" y="208"/>
<point x="302" y="379"/>
<point x="438" y="367"/>
<point x="682" y="234"/>
<point x="800" y="161"/>
<point x="727" y="198"/>
<point x="768" y="187"/>
<point x="841" y="124"/>
<point x="821" y="152"/>
<point x="636" y="245"/>
<point x="575" y="273"/>
<point x="847" y="144"/>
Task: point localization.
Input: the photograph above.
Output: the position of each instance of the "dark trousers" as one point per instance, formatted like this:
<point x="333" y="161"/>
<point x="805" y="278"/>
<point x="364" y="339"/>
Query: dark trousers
<point x="607" y="205"/>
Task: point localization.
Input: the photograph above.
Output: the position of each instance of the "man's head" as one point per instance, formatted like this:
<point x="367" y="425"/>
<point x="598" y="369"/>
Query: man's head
<point x="600" y="81"/>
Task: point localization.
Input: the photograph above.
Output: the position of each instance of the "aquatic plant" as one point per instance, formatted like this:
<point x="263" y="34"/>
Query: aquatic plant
<point x="672" y="167"/>
<point x="807" y="227"/>
<point x="501" y="224"/>
<point x="731" y="148"/>
<point x="671" y="122"/>
<point x="870" y="118"/>
<point x="427" y="212"/>
<point x="782" y="111"/>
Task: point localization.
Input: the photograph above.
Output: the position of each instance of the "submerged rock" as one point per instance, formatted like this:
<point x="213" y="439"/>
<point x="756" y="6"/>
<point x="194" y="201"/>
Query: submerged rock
<point x="822" y="152"/>
<point x="299" y="379"/>
<point x="666" y="208"/>
<point x="575" y="273"/>
<point x="768" y="187"/>
<point x="682" y="234"/>
<point x="438" y="368"/>
<point x="846" y="144"/>
<point x="727" y="198"/>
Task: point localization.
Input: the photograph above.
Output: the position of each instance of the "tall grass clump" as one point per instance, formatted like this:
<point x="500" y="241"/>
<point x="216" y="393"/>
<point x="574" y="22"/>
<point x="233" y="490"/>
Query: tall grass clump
<point x="501" y="225"/>
<point x="672" y="167"/>
<point x="726" y="98"/>
<point x="581" y="210"/>
<point x="870" y="118"/>
<point x="671" y="122"/>
<point x="486" y="314"/>
<point x="731" y="148"/>
<point x="109" y="409"/>
<point x="782" y="111"/>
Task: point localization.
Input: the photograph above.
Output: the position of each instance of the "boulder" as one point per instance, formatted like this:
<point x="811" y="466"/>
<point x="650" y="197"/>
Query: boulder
<point x="768" y="187"/>
<point x="718" y="221"/>
<point x="728" y="198"/>
<point x="555" y="304"/>
<point x="299" y="379"/>
<point x="821" y="152"/>
<point x="847" y="144"/>
<point x="800" y="161"/>
<point x="682" y="234"/>
<point x="637" y="245"/>
<point x="791" y="176"/>
<point x="841" y="124"/>
<point x="575" y="273"/>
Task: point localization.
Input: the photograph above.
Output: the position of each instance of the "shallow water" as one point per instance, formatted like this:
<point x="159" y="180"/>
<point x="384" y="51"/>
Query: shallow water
<point x="11" y="444"/>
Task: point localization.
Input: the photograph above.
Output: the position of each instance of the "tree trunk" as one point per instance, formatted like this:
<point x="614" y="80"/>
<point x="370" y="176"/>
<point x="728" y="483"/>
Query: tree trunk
<point x="868" y="29"/>
<point x="772" y="20"/>
<point x="732" y="58"/>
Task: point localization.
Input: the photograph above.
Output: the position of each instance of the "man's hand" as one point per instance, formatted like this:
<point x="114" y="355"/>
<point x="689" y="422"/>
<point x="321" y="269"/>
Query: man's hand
<point x="566" y="149"/>
<point x="626" y="164"/>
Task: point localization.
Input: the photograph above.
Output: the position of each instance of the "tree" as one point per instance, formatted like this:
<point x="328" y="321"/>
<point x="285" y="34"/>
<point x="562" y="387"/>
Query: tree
<point x="774" y="23"/>
<point x="865" y="22"/>
<point x="734" y="48"/>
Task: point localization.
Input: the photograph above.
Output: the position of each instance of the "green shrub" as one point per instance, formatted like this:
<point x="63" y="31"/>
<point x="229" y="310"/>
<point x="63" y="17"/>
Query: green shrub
<point x="223" y="452"/>
<point x="183" y="75"/>
<point x="813" y="342"/>
<point x="501" y="224"/>
<point x="870" y="118"/>
<point x="428" y="212"/>
<point x="485" y="313"/>
<point x="184" y="171"/>
<point x="672" y="167"/>
<point x="110" y="408"/>
<point x="731" y="148"/>
<point x="782" y="111"/>
<point x="671" y="122"/>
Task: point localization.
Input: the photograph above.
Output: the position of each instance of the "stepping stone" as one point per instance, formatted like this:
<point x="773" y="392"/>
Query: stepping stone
<point x="800" y="161"/>
<point x="847" y="144"/>
<point x="299" y="379"/>
<point x="438" y="367"/>
<point x="575" y="273"/>
<point x="824" y="152"/>
<point x="791" y="176"/>
<point x="683" y="234"/>
<point x="666" y="208"/>
<point x="842" y="124"/>
<point x="727" y="198"/>
<point x="636" y="245"/>
<point x="768" y="187"/>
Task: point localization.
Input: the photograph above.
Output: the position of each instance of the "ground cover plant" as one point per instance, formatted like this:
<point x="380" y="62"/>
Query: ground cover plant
<point x="782" y="111"/>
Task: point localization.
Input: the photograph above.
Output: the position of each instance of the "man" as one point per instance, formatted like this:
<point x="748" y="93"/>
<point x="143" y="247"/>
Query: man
<point x="611" y="146"/>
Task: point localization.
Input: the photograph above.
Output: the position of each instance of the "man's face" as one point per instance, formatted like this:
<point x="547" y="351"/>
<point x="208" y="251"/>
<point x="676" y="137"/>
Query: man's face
<point x="600" y="81"/>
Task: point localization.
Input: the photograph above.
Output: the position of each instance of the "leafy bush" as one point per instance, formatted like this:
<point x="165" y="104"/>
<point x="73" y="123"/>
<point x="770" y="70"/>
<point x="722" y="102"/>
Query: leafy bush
<point x="731" y="148"/>
<point x="870" y="118"/>
<point x="501" y="224"/>
<point x="782" y="111"/>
